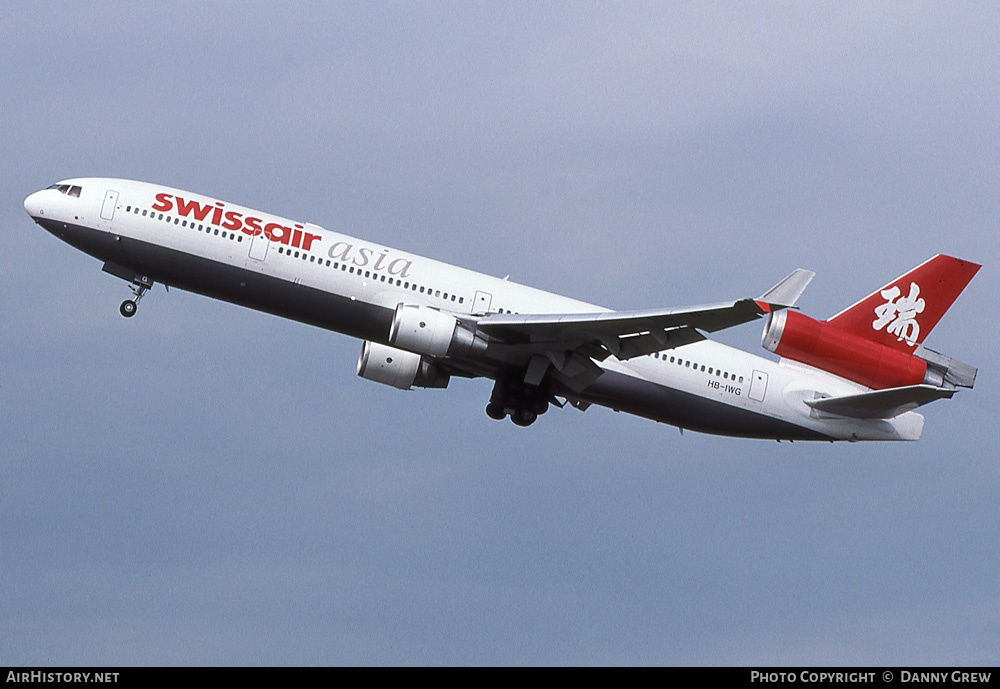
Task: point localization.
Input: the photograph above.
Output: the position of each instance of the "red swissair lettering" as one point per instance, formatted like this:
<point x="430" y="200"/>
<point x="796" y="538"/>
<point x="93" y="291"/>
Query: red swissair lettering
<point x="234" y="220"/>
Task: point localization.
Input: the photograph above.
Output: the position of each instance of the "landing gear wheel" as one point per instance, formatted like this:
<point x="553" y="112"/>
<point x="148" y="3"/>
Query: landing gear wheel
<point x="523" y="417"/>
<point x="140" y="285"/>
<point x="495" y="411"/>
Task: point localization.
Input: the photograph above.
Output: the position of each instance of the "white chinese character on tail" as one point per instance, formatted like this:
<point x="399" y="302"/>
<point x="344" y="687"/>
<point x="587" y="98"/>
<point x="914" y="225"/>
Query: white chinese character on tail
<point x="900" y="315"/>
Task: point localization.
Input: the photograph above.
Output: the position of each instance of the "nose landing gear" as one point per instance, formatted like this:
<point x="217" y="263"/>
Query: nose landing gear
<point x="129" y="306"/>
<point x="140" y="285"/>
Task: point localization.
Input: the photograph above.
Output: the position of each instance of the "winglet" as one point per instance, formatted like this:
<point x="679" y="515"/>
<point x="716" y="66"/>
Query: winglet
<point x="788" y="291"/>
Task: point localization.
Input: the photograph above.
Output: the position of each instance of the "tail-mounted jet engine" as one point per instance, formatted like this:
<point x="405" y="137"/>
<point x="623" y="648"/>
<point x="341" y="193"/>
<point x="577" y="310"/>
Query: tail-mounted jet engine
<point x="798" y="337"/>
<point x="399" y="368"/>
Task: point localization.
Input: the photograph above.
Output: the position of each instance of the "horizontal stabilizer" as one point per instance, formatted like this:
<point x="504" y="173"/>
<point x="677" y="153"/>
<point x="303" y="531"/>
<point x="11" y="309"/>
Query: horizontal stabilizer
<point x="881" y="404"/>
<point x="788" y="291"/>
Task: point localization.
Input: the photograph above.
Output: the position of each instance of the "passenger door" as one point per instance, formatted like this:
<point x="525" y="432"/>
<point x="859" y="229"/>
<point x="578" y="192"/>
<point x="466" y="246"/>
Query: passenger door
<point x="758" y="386"/>
<point x="481" y="304"/>
<point x="110" y="201"/>
<point x="258" y="246"/>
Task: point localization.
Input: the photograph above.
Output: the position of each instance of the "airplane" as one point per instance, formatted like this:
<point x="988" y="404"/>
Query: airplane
<point x="856" y="376"/>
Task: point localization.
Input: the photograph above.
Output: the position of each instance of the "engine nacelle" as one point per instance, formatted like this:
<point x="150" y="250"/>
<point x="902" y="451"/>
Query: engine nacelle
<point x="428" y="331"/>
<point x="399" y="368"/>
<point x="795" y="336"/>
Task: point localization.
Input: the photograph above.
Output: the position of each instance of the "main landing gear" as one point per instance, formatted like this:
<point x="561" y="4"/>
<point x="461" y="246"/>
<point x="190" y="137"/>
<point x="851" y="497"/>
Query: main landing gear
<point x="512" y="397"/>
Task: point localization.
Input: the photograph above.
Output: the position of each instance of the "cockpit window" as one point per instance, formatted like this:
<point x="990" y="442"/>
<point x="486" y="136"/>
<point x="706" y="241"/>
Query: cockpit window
<point x="73" y="190"/>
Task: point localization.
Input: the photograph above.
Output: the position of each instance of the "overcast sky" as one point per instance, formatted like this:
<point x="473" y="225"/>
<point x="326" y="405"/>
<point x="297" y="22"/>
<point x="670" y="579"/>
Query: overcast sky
<point x="204" y="484"/>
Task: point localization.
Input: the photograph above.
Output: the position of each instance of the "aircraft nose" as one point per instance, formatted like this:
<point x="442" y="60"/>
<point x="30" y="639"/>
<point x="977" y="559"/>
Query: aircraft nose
<point x="33" y="204"/>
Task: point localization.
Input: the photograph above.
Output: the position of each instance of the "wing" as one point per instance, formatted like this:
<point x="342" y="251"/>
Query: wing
<point x="571" y="342"/>
<point x="625" y="334"/>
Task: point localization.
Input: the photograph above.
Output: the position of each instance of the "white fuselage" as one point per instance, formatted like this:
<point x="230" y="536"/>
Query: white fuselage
<point x="215" y="248"/>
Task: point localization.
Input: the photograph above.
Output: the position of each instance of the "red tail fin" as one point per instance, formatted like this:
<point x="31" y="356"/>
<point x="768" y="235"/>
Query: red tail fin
<point x="902" y="313"/>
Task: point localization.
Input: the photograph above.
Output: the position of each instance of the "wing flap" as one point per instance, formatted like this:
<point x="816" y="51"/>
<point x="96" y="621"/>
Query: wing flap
<point x="655" y="341"/>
